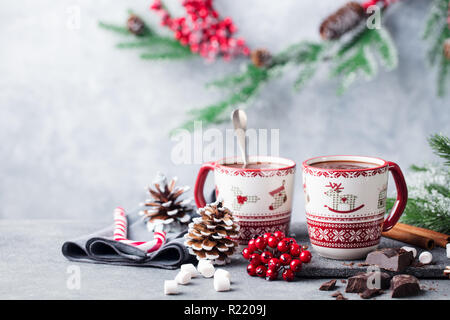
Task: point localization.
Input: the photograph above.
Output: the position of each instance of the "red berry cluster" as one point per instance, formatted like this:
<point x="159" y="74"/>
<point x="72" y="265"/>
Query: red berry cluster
<point x="273" y="252"/>
<point x="203" y="31"/>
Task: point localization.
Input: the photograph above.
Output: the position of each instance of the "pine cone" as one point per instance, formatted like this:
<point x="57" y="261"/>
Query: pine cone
<point x="447" y="48"/>
<point x="342" y="21"/>
<point x="164" y="208"/>
<point x="261" y="58"/>
<point x="208" y="235"/>
<point x="135" y="25"/>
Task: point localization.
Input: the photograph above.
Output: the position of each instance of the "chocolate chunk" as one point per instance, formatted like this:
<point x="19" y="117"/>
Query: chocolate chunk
<point x="360" y="282"/>
<point x="337" y="293"/>
<point x="328" y="286"/>
<point x="341" y="297"/>
<point x="404" y="285"/>
<point x="370" y="293"/>
<point x="393" y="259"/>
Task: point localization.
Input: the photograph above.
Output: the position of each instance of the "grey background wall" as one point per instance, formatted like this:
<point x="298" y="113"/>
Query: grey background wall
<point x="84" y="127"/>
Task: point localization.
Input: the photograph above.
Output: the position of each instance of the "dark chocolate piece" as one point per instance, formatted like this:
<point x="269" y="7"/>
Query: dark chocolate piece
<point x="337" y="293"/>
<point x="393" y="259"/>
<point x="360" y="282"/>
<point x="328" y="286"/>
<point x="404" y="285"/>
<point x="370" y="293"/>
<point x="341" y="297"/>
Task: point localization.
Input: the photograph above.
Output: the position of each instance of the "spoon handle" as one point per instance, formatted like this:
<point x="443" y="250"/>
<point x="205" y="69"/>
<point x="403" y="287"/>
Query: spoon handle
<point x="240" y="133"/>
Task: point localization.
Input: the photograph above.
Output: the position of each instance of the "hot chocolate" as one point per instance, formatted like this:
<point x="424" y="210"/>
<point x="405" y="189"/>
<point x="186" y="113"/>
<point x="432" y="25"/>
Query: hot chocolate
<point x="343" y="165"/>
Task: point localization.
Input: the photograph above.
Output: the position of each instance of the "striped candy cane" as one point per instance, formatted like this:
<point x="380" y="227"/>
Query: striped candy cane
<point x="120" y="234"/>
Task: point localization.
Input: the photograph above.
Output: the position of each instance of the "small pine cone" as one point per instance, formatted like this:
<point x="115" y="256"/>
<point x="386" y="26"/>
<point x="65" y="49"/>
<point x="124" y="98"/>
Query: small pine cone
<point x="165" y="208"/>
<point x="209" y="235"/>
<point x="342" y="21"/>
<point x="447" y="48"/>
<point x="261" y="58"/>
<point x="135" y="25"/>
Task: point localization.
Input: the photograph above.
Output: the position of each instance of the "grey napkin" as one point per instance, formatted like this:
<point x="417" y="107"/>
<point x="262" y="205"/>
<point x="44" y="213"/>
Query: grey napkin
<point x="99" y="247"/>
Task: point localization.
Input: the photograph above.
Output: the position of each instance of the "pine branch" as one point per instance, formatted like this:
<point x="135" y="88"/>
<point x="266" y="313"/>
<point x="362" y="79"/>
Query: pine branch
<point x="435" y="33"/>
<point x="418" y="213"/>
<point x="157" y="47"/>
<point x="357" y="56"/>
<point x="441" y="146"/>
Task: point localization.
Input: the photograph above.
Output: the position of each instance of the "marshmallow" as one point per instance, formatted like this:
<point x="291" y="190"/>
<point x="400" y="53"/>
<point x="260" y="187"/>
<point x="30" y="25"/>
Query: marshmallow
<point x="170" y="287"/>
<point x="183" y="277"/>
<point x="221" y="283"/>
<point x="189" y="267"/>
<point x="448" y="250"/>
<point x="222" y="273"/>
<point x="206" y="268"/>
<point x="413" y="250"/>
<point x="425" y="257"/>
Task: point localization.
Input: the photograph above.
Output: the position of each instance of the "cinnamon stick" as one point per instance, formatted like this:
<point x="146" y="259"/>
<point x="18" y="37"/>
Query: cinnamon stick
<point x="410" y="238"/>
<point x="441" y="239"/>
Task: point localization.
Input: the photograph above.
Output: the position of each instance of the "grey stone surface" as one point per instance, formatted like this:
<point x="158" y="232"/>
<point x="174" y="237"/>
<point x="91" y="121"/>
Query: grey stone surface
<point x="32" y="267"/>
<point x="84" y="126"/>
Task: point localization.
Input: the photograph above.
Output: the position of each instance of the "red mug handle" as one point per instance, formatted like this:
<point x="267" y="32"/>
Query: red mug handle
<point x="402" y="197"/>
<point x="200" y="183"/>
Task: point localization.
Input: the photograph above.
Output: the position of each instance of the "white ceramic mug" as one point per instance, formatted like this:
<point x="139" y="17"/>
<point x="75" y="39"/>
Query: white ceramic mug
<point x="345" y="208"/>
<point x="260" y="199"/>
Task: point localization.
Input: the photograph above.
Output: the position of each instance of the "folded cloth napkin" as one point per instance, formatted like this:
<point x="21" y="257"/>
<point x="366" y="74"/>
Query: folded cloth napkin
<point x="100" y="247"/>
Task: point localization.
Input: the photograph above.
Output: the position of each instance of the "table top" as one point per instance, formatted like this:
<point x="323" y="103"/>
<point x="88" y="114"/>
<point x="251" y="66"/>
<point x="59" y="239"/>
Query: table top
<point x="32" y="267"/>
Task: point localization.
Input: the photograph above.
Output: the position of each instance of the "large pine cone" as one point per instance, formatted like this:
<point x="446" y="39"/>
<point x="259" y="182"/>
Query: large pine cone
<point x="345" y="19"/>
<point x="209" y="235"/>
<point x="165" y="208"/>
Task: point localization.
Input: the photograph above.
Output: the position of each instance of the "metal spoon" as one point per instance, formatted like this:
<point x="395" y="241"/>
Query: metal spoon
<point x="239" y="119"/>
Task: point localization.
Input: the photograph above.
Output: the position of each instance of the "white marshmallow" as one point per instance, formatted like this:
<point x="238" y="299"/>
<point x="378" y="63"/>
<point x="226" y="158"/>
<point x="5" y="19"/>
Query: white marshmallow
<point x="413" y="250"/>
<point x="448" y="250"/>
<point x="170" y="287"/>
<point x="221" y="283"/>
<point x="189" y="267"/>
<point x="183" y="277"/>
<point x="222" y="273"/>
<point x="206" y="269"/>
<point x="425" y="257"/>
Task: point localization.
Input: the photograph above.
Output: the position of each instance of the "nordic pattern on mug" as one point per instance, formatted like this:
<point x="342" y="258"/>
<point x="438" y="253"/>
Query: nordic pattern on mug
<point x="279" y="197"/>
<point x="239" y="199"/>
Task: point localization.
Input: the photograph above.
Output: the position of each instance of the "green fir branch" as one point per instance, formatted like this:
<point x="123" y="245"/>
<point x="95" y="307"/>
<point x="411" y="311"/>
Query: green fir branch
<point x="436" y="31"/>
<point x="357" y="56"/>
<point x="156" y="46"/>
<point x="441" y="146"/>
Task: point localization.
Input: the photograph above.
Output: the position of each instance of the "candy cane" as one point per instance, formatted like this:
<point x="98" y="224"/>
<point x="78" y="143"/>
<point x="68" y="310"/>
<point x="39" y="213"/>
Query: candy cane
<point x="120" y="234"/>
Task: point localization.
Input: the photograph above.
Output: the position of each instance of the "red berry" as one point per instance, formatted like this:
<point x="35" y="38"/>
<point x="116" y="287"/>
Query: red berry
<point x="261" y="243"/>
<point x="266" y="256"/>
<point x="272" y="241"/>
<point x="305" y="256"/>
<point x="251" y="270"/>
<point x="261" y="271"/>
<point x="279" y="235"/>
<point x="285" y="259"/>
<point x="255" y="259"/>
<point x="252" y="245"/>
<point x="283" y="246"/>
<point x="288" y="275"/>
<point x="271" y="274"/>
<point x="266" y="235"/>
<point x="296" y="265"/>
<point x="246" y="253"/>
<point x="295" y="250"/>
<point x="291" y="240"/>
<point x="274" y="264"/>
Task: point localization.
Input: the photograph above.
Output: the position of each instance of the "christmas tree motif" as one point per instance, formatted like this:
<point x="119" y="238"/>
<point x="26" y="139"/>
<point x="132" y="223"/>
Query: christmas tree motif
<point x="280" y="197"/>
<point x="382" y="197"/>
<point x="339" y="199"/>
<point x="240" y="199"/>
